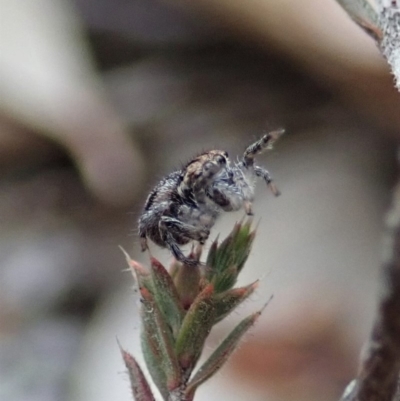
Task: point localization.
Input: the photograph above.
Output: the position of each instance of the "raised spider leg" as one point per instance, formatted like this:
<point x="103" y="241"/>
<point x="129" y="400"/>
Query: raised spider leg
<point x="258" y="147"/>
<point x="264" y="174"/>
<point x="169" y="225"/>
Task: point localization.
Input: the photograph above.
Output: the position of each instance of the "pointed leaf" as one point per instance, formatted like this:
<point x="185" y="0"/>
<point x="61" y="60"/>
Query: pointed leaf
<point x="166" y="296"/>
<point x="227" y="301"/>
<point x="222" y="353"/>
<point x="153" y="359"/>
<point x="212" y="254"/>
<point x="223" y="258"/>
<point x="219" y="258"/>
<point x="241" y="245"/>
<point x="228" y="258"/>
<point x="195" y="329"/>
<point x="139" y="272"/>
<point x="158" y="335"/>
<point x="140" y="387"/>
<point x="245" y="251"/>
<point x="225" y="280"/>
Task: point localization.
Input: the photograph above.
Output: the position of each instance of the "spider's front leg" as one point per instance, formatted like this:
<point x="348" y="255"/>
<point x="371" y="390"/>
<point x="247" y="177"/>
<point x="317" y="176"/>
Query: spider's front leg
<point x="258" y="147"/>
<point x="143" y="242"/>
<point x="264" y="174"/>
<point x="142" y="234"/>
<point x="229" y="198"/>
<point x="172" y="228"/>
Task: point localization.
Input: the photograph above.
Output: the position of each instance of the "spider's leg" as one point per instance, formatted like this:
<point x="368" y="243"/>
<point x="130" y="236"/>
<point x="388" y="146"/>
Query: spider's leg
<point x="177" y="226"/>
<point x="142" y="235"/>
<point x="228" y="197"/>
<point x="143" y="242"/>
<point x="169" y="225"/>
<point x="264" y="174"/>
<point x="248" y="208"/>
<point x="177" y="252"/>
<point x="258" y="147"/>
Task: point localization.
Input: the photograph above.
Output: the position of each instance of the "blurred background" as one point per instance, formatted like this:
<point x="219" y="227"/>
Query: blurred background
<point x="99" y="99"/>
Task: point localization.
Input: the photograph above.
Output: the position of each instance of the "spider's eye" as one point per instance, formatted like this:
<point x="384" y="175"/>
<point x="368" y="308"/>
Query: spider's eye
<point x="220" y="159"/>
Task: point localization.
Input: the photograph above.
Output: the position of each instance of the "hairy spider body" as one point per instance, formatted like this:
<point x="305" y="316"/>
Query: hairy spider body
<point x="185" y="204"/>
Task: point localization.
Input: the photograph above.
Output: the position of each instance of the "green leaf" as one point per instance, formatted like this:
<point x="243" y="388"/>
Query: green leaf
<point x="227" y="301"/>
<point x="195" y="328"/>
<point x="140" y="387"/>
<point x="166" y="296"/>
<point x="245" y="252"/>
<point x="223" y="258"/>
<point x="221" y="354"/>
<point x="153" y="359"/>
<point x="158" y="336"/>
<point x="225" y="280"/>
<point x="212" y="254"/>
<point x="226" y="260"/>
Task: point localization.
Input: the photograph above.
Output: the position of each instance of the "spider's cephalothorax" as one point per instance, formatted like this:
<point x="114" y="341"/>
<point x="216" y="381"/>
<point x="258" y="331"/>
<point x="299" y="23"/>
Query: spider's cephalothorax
<point x="185" y="204"/>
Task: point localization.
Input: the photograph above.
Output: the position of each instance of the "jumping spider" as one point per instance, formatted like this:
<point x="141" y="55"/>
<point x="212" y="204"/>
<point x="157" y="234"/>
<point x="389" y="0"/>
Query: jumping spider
<point x="185" y="204"/>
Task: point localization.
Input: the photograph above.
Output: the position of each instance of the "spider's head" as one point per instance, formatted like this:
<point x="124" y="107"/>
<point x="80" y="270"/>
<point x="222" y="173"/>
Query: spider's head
<point x="217" y="157"/>
<point x="206" y="166"/>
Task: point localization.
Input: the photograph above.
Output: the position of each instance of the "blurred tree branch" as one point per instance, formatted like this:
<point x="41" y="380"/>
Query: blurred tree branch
<point x="378" y="378"/>
<point x="382" y="22"/>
